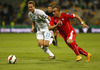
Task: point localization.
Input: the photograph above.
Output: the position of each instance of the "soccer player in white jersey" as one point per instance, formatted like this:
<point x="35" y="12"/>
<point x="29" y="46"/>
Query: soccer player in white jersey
<point x="38" y="17"/>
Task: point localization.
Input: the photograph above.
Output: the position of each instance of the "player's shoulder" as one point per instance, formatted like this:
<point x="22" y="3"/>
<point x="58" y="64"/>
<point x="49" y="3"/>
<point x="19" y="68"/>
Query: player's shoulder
<point x="69" y="13"/>
<point x="66" y="13"/>
<point x="63" y="14"/>
<point x="38" y="11"/>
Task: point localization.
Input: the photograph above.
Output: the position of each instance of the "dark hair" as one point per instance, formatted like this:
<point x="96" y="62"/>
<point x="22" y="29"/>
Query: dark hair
<point x="50" y="6"/>
<point x="56" y="6"/>
<point x="31" y="2"/>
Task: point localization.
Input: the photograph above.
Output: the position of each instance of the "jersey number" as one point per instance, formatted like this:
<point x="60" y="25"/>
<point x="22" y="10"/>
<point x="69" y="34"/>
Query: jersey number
<point x="47" y="34"/>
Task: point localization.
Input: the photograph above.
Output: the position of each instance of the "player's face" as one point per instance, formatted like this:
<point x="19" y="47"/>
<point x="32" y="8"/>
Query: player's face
<point x="49" y="9"/>
<point x="31" y="7"/>
<point x="55" y="12"/>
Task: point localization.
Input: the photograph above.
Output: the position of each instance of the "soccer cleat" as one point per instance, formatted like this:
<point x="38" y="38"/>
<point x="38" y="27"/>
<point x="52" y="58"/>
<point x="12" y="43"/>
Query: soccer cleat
<point x="51" y="57"/>
<point x="88" y="57"/>
<point x="54" y="43"/>
<point x="79" y="58"/>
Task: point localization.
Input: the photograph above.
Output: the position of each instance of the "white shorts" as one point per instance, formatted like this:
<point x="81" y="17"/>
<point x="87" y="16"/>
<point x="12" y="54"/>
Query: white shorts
<point x="52" y="34"/>
<point x="43" y="35"/>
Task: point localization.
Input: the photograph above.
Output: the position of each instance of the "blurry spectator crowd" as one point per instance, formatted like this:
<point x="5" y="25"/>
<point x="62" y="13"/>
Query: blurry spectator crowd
<point x="6" y="13"/>
<point x="88" y="10"/>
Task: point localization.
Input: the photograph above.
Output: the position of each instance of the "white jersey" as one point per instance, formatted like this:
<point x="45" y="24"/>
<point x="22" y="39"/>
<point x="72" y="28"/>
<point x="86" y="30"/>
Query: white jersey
<point x="40" y="19"/>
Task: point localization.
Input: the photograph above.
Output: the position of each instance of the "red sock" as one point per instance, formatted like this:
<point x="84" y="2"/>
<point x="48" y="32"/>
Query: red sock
<point x="74" y="48"/>
<point x="81" y="51"/>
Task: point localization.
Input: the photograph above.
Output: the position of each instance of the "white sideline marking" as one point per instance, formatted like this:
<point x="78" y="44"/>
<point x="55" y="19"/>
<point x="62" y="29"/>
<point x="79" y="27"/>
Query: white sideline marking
<point x="52" y="60"/>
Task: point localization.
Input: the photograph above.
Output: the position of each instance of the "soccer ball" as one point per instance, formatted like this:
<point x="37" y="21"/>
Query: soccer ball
<point x="12" y="59"/>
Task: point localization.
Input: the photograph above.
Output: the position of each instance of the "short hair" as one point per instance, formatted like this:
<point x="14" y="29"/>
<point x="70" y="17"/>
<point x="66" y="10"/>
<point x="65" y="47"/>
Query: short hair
<point x="50" y="6"/>
<point x="31" y="2"/>
<point x="56" y="6"/>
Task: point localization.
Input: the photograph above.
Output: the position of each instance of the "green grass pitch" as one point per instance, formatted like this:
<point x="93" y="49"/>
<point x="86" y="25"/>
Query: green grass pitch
<point x="31" y="57"/>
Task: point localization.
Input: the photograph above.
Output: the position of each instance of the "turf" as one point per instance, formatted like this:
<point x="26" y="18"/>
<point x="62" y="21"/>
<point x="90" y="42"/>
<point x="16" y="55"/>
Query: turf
<point x="31" y="57"/>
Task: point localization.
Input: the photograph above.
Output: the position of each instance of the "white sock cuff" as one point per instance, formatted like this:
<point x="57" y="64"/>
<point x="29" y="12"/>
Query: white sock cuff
<point x="41" y="47"/>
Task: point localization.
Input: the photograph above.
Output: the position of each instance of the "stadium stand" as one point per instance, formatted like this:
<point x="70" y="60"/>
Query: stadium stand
<point x="14" y="12"/>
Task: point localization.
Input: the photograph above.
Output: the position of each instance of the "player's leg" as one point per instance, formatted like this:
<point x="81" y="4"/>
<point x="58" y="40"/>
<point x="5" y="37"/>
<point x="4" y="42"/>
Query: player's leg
<point x="45" y="48"/>
<point x="52" y="36"/>
<point x="83" y="52"/>
<point x="40" y="38"/>
<point x="52" y="39"/>
<point x="88" y="55"/>
<point x="47" y="36"/>
<point x="46" y="44"/>
<point x="70" y="41"/>
<point x="55" y="38"/>
<point x="40" y="43"/>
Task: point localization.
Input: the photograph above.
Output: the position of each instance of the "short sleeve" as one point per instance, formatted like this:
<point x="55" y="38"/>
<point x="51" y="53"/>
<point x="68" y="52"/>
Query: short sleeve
<point x="43" y="15"/>
<point x="69" y="15"/>
<point x="29" y="15"/>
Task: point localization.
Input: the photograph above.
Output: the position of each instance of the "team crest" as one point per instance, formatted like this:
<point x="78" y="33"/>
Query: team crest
<point x="62" y="18"/>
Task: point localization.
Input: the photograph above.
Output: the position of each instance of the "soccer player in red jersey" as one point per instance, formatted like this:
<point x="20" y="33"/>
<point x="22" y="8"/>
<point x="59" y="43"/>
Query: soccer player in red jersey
<point x="61" y="21"/>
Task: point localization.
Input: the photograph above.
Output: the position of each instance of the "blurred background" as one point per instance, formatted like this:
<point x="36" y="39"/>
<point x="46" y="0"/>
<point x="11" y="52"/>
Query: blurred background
<point x="14" y="14"/>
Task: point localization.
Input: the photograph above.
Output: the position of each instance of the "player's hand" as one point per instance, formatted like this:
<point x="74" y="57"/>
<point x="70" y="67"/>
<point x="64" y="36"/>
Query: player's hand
<point x="84" y="25"/>
<point x="32" y="29"/>
<point x="58" y="23"/>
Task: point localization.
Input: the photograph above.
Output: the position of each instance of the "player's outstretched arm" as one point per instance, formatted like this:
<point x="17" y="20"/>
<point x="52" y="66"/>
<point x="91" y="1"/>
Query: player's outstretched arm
<point x="49" y="18"/>
<point x="80" y="20"/>
<point x="84" y="25"/>
<point x="33" y="26"/>
<point x="54" y="26"/>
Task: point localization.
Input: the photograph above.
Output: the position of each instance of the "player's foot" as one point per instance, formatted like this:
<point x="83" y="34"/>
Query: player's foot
<point x="88" y="57"/>
<point x="79" y="58"/>
<point x="51" y="57"/>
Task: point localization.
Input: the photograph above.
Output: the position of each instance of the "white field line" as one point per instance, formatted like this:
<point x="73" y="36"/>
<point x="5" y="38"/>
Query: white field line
<point x="52" y="60"/>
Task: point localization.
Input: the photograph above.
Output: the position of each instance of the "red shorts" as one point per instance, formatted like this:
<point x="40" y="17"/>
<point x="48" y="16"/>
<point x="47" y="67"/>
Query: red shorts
<point x="70" y="35"/>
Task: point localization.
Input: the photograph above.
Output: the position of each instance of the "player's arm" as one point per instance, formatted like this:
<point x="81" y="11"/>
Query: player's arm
<point x="49" y="18"/>
<point x="44" y="15"/>
<point x="33" y="23"/>
<point x="81" y="21"/>
<point x="33" y="26"/>
<point x="52" y="26"/>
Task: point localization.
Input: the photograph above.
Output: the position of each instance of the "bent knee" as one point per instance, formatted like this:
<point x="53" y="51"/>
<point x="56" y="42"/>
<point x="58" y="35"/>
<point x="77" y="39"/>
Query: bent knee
<point x="46" y="43"/>
<point x="69" y="41"/>
<point x="40" y="44"/>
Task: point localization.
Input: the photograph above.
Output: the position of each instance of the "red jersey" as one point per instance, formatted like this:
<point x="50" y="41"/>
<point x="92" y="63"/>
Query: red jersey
<point x="65" y="26"/>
